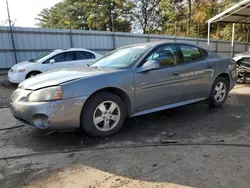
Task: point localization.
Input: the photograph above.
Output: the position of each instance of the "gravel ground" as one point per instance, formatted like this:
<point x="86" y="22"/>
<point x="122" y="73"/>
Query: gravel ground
<point x="212" y="150"/>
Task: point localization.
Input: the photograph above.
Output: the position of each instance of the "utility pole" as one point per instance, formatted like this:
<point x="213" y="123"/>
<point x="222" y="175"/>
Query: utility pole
<point x="11" y="32"/>
<point x="112" y="12"/>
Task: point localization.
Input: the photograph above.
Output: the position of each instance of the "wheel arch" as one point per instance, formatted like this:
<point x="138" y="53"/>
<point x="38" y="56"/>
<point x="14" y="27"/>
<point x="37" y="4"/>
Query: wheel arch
<point x="226" y="76"/>
<point x="117" y="91"/>
<point x="32" y="72"/>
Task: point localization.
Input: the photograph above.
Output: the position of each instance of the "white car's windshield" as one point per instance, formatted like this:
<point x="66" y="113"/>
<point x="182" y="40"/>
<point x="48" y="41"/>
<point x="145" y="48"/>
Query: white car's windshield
<point x="122" y="57"/>
<point x="40" y="57"/>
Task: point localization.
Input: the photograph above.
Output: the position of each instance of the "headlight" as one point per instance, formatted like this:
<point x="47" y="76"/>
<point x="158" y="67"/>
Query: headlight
<point x="21" y="70"/>
<point x="47" y="94"/>
<point x="18" y="70"/>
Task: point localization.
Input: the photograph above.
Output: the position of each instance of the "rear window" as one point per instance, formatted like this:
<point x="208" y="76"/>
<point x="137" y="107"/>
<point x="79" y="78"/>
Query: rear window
<point x="82" y="55"/>
<point x="191" y="53"/>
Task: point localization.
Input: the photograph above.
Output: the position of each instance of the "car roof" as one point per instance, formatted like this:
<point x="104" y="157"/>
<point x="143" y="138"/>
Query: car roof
<point x="157" y="43"/>
<point x="73" y="49"/>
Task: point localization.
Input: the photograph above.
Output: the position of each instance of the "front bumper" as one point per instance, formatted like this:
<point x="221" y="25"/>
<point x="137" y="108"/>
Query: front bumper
<point x="61" y="114"/>
<point x="16" y="77"/>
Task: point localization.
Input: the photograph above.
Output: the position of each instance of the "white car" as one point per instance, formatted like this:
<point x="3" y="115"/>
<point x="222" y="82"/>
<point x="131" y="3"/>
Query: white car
<point x="242" y="56"/>
<point x="56" y="59"/>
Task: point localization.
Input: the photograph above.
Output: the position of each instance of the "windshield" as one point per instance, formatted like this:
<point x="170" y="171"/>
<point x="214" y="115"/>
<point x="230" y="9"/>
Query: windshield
<point x="36" y="59"/>
<point x="122" y="57"/>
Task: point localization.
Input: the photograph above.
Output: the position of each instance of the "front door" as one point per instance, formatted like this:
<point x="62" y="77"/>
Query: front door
<point x="62" y="60"/>
<point x="157" y="88"/>
<point x="197" y="72"/>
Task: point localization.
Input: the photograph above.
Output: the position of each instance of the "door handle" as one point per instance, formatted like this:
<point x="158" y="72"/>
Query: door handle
<point x="175" y="73"/>
<point x="209" y="66"/>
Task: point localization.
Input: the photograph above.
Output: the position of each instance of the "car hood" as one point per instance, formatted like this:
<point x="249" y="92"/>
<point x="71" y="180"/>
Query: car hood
<point x="21" y="65"/>
<point x="243" y="54"/>
<point x="57" y="77"/>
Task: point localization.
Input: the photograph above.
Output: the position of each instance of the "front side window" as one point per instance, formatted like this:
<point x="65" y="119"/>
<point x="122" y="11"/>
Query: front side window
<point x="190" y="53"/>
<point x="41" y="57"/>
<point x="66" y="56"/>
<point x="165" y="55"/>
<point x="81" y="55"/>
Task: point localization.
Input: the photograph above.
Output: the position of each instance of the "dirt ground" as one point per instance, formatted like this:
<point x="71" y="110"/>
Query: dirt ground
<point x="6" y="89"/>
<point x="211" y="149"/>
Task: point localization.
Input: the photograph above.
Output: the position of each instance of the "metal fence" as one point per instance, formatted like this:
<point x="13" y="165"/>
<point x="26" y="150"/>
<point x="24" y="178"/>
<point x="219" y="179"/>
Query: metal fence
<point x="31" y="42"/>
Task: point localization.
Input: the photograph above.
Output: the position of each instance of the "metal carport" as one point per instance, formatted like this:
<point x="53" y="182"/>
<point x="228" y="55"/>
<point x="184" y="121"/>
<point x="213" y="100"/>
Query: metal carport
<point x="239" y="13"/>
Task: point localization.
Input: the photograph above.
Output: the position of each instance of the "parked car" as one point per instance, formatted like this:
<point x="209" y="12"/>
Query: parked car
<point x="243" y="66"/>
<point x="242" y="56"/>
<point x="128" y="82"/>
<point x="55" y="59"/>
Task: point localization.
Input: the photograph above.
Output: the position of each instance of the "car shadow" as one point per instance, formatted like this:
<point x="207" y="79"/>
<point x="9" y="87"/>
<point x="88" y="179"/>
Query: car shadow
<point x="188" y="165"/>
<point x="196" y="123"/>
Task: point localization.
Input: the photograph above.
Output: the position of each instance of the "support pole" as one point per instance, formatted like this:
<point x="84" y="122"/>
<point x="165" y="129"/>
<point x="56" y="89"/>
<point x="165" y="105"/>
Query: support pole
<point x="233" y="37"/>
<point x="11" y="33"/>
<point x="208" y="35"/>
<point x="112" y="12"/>
<point x="70" y="36"/>
<point x="248" y="38"/>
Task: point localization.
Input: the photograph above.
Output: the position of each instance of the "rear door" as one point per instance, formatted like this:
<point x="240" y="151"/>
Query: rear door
<point x="62" y="60"/>
<point x="84" y="58"/>
<point x="196" y="71"/>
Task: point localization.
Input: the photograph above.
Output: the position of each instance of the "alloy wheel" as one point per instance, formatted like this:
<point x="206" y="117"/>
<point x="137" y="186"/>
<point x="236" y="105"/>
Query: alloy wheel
<point x="220" y="92"/>
<point x="106" y="116"/>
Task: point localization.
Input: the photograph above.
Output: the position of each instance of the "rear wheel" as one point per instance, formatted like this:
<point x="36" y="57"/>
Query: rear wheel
<point x="219" y="92"/>
<point x="103" y="114"/>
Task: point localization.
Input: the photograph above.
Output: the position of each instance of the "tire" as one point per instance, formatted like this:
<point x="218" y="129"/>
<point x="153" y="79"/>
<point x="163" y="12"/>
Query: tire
<point x="217" y="99"/>
<point x="31" y="74"/>
<point x="110" y="121"/>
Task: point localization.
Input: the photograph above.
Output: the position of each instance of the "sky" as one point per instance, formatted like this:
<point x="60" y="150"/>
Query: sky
<point x="24" y="11"/>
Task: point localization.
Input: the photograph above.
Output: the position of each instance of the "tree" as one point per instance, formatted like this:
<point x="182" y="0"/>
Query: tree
<point x="44" y="17"/>
<point x="171" y="13"/>
<point x="171" y="17"/>
<point x="87" y="14"/>
<point x="189" y="15"/>
<point x="146" y="12"/>
<point x="101" y="13"/>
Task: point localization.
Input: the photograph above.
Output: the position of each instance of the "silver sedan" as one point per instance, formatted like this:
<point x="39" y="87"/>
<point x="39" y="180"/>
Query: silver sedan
<point x="130" y="81"/>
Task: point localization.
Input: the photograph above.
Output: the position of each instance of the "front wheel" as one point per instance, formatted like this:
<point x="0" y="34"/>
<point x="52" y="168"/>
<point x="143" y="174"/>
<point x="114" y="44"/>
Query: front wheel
<point x="31" y="74"/>
<point x="219" y="92"/>
<point x="103" y="114"/>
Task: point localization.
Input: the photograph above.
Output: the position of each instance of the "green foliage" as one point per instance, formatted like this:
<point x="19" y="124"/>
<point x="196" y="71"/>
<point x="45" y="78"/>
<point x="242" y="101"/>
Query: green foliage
<point x="171" y="17"/>
<point x="88" y="14"/>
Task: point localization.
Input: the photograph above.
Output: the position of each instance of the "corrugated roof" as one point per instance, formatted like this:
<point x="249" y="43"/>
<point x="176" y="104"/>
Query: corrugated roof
<point x="239" y="13"/>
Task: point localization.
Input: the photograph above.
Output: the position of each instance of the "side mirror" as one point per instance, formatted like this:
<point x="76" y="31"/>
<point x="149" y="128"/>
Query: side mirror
<point x="52" y="61"/>
<point x="149" y="65"/>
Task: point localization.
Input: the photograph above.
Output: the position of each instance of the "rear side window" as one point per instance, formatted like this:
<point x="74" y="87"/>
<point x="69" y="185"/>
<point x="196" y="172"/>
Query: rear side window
<point x="204" y="53"/>
<point x="191" y="53"/>
<point x="81" y="55"/>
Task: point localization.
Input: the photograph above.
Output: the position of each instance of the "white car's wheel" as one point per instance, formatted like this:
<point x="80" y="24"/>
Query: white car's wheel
<point x="33" y="73"/>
